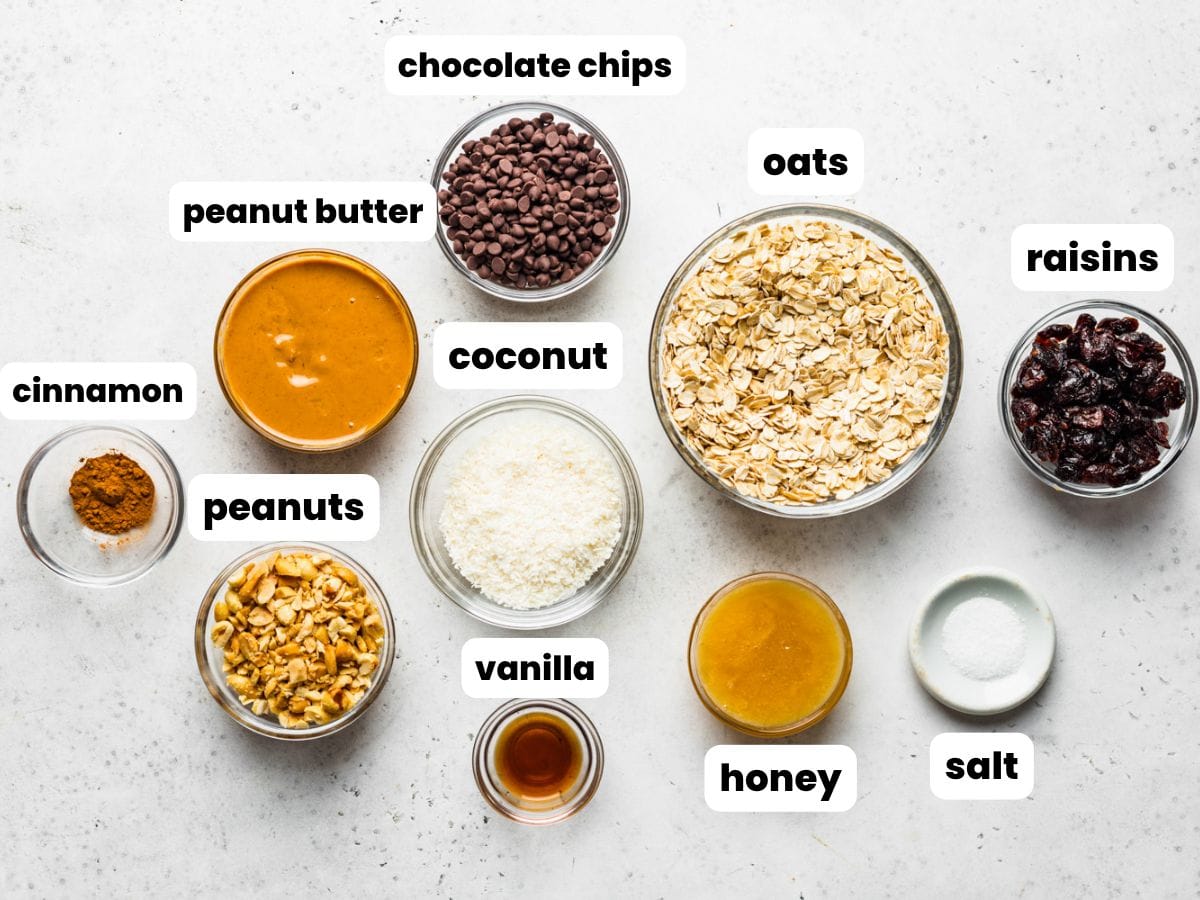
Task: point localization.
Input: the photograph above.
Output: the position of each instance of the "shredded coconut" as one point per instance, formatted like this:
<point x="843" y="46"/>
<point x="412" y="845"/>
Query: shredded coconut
<point x="531" y="513"/>
<point x="984" y="638"/>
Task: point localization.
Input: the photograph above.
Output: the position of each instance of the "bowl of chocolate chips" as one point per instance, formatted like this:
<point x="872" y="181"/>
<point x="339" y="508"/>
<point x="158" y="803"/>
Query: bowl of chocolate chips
<point x="532" y="201"/>
<point x="1098" y="398"/>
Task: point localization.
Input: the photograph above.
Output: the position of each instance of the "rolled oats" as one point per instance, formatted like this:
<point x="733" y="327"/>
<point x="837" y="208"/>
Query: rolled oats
<point x="803" y="362"/>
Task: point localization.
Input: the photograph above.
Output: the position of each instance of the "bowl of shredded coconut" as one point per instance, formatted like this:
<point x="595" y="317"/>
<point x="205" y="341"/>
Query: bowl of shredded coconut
<point x="526" y="512"/>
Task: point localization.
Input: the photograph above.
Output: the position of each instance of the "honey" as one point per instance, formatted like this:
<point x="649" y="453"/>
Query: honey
<point x="771" y="654"/>
<point x="316" y="350"/>
<point x="538" y="759"/>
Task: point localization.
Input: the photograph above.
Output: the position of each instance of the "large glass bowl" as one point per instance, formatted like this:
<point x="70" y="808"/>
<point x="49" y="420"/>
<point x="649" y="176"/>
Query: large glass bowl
<point x="482" y="125"/>
<point x="916" y="264"/>
<point x="1179" y="424"/>
<point x="209" y="656"/>
<point x="432" y="481"/>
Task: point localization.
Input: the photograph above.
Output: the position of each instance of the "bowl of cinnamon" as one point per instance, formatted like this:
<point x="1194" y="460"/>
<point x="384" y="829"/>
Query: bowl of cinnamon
<point x="100" y="505"/>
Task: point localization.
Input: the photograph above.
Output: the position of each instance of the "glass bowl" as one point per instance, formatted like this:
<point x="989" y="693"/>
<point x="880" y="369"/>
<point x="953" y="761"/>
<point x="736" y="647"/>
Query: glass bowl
<point x="883" y="236"/>
<point x="246" y="415"/>
<point x="793" y="727"/>
<point x="62" y="542"/>
<point x="482" y="125"/>
<point x="1179" y="424"/>
<point x="578" y="795"/>
<point x="209" y="657"/>
<point x="429" y="494"/>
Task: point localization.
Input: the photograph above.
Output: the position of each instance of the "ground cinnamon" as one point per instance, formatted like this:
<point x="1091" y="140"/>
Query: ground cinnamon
<point x="112" y="494"/>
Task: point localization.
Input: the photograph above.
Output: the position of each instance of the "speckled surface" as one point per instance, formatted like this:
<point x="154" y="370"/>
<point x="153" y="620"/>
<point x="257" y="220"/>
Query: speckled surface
<point x="120" y="776"/>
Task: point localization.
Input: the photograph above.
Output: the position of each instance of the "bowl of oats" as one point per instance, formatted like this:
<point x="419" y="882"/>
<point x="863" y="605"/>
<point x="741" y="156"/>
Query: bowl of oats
<point x="805" y="360"/>
<point x="294" y="641"/>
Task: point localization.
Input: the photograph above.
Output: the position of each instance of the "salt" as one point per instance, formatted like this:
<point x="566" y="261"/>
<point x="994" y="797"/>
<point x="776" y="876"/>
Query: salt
<point x="984" y="638"/>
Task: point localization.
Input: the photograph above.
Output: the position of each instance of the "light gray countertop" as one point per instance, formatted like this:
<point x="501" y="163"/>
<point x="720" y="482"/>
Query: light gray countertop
<point x="118" y="773"/>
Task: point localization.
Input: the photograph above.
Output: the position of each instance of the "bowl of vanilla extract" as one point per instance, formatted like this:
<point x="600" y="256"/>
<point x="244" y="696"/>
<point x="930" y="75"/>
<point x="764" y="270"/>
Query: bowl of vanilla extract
<point x="538" y="762"/>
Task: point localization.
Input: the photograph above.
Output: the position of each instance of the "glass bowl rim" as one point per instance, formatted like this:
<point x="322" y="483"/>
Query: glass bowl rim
<point x="489" y="611"/>
<point x="258" y="724"/>
<point x="1188" y="413"/>
<point x="817" y="715"/>
<point x="939" y="297"/>
<point x="239" y="409"/>
<point x="170" y="536"/>
<point x="554" y="291"/>
<point x="503" y="714"/>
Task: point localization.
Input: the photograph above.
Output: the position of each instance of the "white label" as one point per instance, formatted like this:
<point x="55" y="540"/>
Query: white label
<point x="522" y="65"/>
<point x="509" y="356"/>
<point x="807" y="161"/>
<point x="965" y="766"/>
<point x="795" y="778"/>
<point x="97" y="391"/>
<point x="535" y="668"/>
<point x="1093" y="257"/>
<point x="283" y="507"/>
<point x="310" y="211"/>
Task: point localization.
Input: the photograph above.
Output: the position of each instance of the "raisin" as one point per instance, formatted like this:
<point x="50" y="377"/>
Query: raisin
<point x="1078" y="385"/>
<point x="1145" y="372"/>
<point x="1122" y="475"/>
<point x="1143" y="340"/>
<point x="1086" y="416"/>
<point x="1069" y="470"/>
<point x="1160" y="433"/>
<point x="1127" y="354"/>
<point x="1024" y="412"/>
<point x="1031" y="377"/>
<point x="1110" y="388"/>
<point x="1098" y="473"/>
<point x="1166" y="393"/>
<point x="1044" y="440"/>
<point x="1052" y="334"/>
<point x="1087" y="444"/>
<point x="1123" y="325"/>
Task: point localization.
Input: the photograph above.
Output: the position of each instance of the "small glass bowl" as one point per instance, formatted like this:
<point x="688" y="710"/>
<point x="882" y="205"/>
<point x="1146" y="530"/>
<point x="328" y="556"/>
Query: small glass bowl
<point x="246" y="415"/>
<point x="481" y="126"/>
<point x="501" y="799"/>
<point x="883" y="236"/>
<point x="209" y="656"/>
<point x="1179" y="424"/>
<point x="62" y="542"/>
<point x="429" y="495"/>
<point x="794" y="727"/>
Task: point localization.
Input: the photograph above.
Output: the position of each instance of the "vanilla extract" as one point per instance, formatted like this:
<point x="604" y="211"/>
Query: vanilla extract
<point x="551" y="667"/>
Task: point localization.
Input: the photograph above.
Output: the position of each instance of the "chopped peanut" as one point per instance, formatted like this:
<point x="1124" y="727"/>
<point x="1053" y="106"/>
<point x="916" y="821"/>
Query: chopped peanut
<point x="301" y="638"/>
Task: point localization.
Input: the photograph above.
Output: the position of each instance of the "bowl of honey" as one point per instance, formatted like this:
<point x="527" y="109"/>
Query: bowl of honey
<point x="770" y="654"/>
<point x="538" y="762"/>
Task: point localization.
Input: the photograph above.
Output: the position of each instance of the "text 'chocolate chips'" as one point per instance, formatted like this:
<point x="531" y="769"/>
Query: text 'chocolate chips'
<point x="530" y="205"/>
<point x="1091" y="400"/>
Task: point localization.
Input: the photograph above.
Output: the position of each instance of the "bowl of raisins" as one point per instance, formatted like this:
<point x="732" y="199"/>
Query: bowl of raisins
<point x="1098" y="398"/>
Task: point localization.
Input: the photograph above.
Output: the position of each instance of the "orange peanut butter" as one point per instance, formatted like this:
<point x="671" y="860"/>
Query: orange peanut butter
<point x="316" y="350"/>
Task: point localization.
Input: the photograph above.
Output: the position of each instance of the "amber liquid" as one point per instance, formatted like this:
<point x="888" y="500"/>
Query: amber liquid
<point x="538" y="759"/>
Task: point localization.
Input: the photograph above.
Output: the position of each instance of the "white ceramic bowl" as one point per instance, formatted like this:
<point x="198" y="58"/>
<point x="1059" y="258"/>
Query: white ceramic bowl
<point x="974" y="696"/>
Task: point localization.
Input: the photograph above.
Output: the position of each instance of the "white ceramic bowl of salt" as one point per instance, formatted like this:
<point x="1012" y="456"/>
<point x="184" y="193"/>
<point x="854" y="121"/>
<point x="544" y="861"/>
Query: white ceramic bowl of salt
<point x="983" y="644"/>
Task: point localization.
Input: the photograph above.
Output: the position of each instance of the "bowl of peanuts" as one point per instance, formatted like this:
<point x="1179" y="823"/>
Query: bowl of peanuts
<point x="294" y="641"/>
